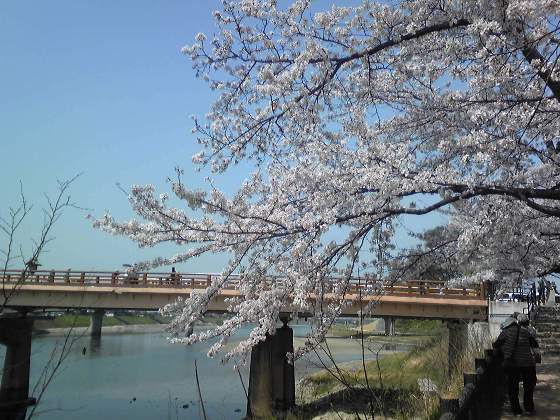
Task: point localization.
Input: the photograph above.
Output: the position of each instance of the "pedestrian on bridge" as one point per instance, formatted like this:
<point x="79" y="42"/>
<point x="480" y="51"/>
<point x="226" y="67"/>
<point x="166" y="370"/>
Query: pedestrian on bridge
<point x="174" y="277"/>
<point x="516" y="343"/>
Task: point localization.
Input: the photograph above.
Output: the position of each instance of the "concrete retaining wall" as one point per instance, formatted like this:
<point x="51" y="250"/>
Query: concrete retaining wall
<point x="499" y="311"/>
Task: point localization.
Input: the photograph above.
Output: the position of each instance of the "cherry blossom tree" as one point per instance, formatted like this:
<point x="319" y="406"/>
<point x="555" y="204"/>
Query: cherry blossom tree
<point x="351" y="117"/>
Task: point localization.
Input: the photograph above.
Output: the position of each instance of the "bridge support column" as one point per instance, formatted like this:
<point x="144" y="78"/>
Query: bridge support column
<point x="96" y="322"/>
<point x="271" y="379"/>
<point x="389" y="325"/>
<point x="15" y="334"/>
<point x="457" y="345"/>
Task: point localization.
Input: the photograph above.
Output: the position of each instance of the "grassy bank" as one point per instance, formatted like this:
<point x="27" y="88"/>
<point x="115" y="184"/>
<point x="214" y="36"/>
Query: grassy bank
<point x="402" y="327"/>
<point x="83" y="320"/>
<point x="390" y="381"/>
<point x="398" y="370"/>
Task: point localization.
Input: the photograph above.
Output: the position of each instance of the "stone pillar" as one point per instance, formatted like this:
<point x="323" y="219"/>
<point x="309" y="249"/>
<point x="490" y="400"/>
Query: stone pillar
<point x="271" y="379"/>
<point x="389" y="325"/>
<point x="479" y="337"/>
<point x="551" y="297"/>
<point x="15" y="334"/>
<point x="96" y="322"/>
<point x="457" y="345"/>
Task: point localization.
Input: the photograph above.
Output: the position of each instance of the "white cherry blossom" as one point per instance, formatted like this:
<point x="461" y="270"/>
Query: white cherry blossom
<point x="347" y="115"/>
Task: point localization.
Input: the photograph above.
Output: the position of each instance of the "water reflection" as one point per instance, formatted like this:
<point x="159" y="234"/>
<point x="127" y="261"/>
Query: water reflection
<point x="94" y="344"/>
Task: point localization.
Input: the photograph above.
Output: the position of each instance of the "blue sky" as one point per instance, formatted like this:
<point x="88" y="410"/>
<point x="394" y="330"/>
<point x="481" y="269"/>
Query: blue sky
<point x="99" y="88"/>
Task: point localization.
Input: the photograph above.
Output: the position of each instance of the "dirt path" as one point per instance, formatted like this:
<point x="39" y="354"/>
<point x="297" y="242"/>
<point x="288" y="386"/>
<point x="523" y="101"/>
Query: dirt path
<point x="547" y="391"/>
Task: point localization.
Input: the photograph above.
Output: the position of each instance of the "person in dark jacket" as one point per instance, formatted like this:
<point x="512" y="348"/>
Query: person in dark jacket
<point x="516" y="342"/>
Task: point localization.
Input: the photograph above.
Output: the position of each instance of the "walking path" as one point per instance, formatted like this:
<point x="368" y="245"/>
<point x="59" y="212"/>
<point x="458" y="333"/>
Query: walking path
<point x="547" y="391"/>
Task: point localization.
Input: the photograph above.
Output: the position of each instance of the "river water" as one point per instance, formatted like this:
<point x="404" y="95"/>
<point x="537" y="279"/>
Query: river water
<point x="143" y="376"/>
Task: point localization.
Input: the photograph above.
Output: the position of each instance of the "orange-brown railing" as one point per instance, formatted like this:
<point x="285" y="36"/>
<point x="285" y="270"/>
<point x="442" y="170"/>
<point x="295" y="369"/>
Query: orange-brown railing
<point x="108" y="278"/>
<point x="414" y="288"/>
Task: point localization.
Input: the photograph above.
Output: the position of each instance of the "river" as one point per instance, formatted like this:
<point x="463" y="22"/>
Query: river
<point x="143" y="376"/>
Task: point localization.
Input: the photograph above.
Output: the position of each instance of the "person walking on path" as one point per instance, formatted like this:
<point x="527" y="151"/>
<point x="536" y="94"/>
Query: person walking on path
<point x="516" y="343"/>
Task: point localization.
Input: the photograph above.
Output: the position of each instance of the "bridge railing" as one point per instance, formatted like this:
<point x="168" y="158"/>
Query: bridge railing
<point x="417" y="288"/>
<point x="108" y="278"/>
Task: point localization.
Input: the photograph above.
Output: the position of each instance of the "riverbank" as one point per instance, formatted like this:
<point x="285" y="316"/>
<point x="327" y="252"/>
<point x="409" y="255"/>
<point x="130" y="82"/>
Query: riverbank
<point x="83" y="320"/>
<point x="113" y="323"/>
<point x="392" y="383"/>
<point x="114" y="329"/>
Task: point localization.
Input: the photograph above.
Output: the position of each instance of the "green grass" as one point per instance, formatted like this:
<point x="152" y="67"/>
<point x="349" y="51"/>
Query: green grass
<point x="417" y="326"/>
<point x="394" y="373"/>
<point x="411" y="340"/>
<point x="133" y="320"/>
<point x="402" y="326"/>
<point x="83" y="320"/>
<point x="160" y="319"/>
<point x="399" y="370"/>
<point x="64" y="321"/>
<point x="341" y="331"/>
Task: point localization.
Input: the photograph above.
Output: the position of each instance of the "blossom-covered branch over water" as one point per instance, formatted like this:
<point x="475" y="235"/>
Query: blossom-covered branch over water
<point x="352" y="116"/>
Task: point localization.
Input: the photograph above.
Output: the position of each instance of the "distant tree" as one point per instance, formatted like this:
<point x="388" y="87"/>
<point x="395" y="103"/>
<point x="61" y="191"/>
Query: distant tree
<point x="12" y="252"/>
<point x="13" y="257"/>
<point x="349" y="115"/>
<point x="434" y="258"/>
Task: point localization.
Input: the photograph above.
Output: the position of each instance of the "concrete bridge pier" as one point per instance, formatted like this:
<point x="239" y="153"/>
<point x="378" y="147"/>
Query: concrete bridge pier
<point x="458" y="343"/>
<point x="389" y="325"/>
<point x="15" y="334"/>
<point x="271" y="379"/>
<point x="96" y="322"/>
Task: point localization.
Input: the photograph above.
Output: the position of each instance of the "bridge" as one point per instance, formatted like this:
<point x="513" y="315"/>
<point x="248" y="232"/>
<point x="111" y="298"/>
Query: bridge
<point x="271" y="377"/>
<point x="151" y="291"/>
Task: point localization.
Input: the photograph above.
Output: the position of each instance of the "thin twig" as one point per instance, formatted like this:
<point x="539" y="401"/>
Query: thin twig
<point x="242" y="384"/>
<point x="199" y="393"/>
<point x="371" y="409"/>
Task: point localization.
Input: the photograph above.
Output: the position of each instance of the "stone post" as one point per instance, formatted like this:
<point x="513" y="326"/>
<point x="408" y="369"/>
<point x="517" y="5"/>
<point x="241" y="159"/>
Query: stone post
<point x="271" y="379"/>
<point x="389" y="325"/>
<point x="96" y="322"/>
<point x="15" y="334"/>
<point x="448" y="407"/>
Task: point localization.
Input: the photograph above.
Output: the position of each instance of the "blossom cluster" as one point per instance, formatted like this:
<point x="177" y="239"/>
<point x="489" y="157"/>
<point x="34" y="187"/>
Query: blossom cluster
<point x="347" y="115"/>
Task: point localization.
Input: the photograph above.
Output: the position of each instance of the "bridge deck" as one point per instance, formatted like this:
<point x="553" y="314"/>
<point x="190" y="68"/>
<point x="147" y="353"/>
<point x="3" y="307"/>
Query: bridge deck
<point x="148" y="291"/>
